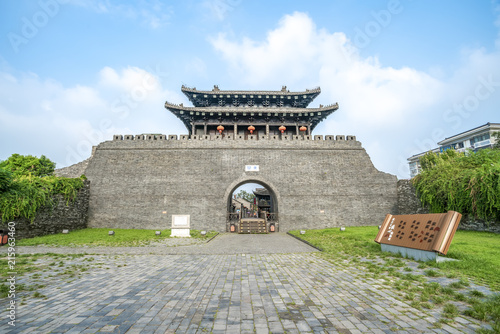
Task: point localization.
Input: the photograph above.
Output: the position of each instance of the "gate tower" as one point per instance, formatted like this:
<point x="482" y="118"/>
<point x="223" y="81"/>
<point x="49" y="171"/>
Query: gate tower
<point x="233" y="138"/>
<point x="240" y="113"/>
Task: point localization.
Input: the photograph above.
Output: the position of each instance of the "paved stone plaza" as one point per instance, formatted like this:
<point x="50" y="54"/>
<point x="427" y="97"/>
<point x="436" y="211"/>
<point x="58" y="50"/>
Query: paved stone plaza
<point x="234" y="284"/>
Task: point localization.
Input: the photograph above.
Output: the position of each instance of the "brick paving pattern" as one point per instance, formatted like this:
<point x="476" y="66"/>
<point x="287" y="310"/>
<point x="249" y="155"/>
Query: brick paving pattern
<point x="223" y="293"/>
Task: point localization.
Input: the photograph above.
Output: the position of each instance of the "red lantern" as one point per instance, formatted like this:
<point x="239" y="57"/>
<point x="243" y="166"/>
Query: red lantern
<point x="251" y="128"/>
<point x="303" y="128"/>
<point x="282" y="129"/>
<point x="220" y="128"/>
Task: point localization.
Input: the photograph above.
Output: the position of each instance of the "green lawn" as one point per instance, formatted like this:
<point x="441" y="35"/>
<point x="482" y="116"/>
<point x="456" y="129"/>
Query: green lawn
<point x="478" y="252"/>
<point x="479" y="261"/>
<point x="100" y="237"/>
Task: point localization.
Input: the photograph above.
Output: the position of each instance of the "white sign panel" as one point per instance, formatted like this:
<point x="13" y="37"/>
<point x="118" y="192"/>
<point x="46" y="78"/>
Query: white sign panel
<point x="180" y="220"/>
<point x="251" y="168"/>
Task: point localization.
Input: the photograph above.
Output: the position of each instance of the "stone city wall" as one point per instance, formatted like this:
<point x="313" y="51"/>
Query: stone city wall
<point x="318" y="182"/>
<point x="50" y="220"/>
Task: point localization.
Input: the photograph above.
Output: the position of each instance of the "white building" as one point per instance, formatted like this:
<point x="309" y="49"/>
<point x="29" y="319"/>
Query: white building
<point x="474" y="139"/>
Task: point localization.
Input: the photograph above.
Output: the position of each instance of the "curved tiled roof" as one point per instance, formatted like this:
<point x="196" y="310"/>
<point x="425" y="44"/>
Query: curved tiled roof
<point x="172" y="106"/>
<point x="283" y="91"/>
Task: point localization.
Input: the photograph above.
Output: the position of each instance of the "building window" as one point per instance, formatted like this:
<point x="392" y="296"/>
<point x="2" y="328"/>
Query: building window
<point x="479" y="138"/>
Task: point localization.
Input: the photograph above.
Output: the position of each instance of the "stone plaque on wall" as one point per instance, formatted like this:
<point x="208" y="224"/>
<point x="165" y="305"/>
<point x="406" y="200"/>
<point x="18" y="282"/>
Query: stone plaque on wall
<point x="427" y="232"/>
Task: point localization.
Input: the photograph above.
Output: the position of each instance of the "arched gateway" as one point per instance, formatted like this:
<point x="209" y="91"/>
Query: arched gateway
<point x="235" y="137"/>
<point x="266" y="214"/>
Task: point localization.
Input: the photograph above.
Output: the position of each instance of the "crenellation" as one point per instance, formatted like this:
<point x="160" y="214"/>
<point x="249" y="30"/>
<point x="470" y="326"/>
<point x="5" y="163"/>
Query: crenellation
<point x="161" y="137"/>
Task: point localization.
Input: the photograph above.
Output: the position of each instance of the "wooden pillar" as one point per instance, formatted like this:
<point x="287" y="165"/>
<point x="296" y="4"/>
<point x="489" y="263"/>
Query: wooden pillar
<point x="193" y="128"/>
<point x="267" y="129"/>
<point x="205" y="129"/>
<point x="235" y="130"/>
<point x="309" y="129"/>
<point x="297" y="129"/>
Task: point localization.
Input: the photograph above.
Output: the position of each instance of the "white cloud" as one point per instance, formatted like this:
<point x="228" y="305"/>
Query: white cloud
<point x="387" y="108"/>
<point x="64" y="123"/>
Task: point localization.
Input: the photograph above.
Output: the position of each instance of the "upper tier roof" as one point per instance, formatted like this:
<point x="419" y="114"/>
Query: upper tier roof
<point x="254" y="115"/>
<point x="237" y="98"/>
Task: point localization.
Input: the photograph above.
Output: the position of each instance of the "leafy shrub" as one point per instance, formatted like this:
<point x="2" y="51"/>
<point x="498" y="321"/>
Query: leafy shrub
<point x="27" y="184"/>
<point x="5" y="179"/>
<point x="30" y="193"/>
<point x="496" y="135"/>
<point x="467" y="183"/>
<point x="23" y="165"/>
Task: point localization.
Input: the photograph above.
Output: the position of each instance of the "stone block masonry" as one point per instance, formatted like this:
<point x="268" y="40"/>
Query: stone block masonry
<point x="317" y="183"/>
<point x="51" y="220"/>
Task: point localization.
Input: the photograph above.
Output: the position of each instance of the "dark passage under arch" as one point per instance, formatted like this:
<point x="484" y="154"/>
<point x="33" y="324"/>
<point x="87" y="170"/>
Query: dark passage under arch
<point x="263" y="211"/>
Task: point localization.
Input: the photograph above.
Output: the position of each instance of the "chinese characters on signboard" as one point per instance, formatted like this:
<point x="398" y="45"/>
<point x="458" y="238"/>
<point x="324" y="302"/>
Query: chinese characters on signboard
<point x="428" y="232"/>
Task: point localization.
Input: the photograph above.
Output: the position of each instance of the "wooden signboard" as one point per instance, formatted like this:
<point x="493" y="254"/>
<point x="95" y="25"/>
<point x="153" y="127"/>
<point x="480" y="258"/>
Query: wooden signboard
<point x="428" y="232"/>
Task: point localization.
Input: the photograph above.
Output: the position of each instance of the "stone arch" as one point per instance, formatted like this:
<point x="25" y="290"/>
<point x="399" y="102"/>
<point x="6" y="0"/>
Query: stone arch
<point x="253" y="179"/>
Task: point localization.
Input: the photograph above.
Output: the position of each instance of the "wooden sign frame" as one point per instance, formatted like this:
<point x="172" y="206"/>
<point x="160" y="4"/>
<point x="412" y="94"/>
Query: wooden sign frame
<point x="427" y="232"/>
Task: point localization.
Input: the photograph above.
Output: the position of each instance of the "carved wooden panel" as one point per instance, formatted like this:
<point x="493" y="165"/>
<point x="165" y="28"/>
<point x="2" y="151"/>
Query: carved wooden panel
<point x="429" y="232"/>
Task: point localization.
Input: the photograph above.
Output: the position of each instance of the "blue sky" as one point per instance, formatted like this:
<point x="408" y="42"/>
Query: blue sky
<point x="406" y="74"/>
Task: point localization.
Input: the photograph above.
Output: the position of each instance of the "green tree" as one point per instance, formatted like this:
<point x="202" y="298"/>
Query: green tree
<point x="496" y="135"/>
<point x="467" y="183"/>
<point x="20" y="165"/>
<point x="245" y="195"/>
<point x="5" y="180"/>
<point x="431" y="159"/>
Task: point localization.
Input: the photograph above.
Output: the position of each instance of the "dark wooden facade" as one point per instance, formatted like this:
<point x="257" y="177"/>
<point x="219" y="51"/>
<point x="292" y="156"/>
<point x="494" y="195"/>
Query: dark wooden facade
<point x="250" y="112"/>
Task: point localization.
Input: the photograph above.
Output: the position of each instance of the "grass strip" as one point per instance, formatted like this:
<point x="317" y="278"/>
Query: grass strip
<point x="93" y="237"/>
